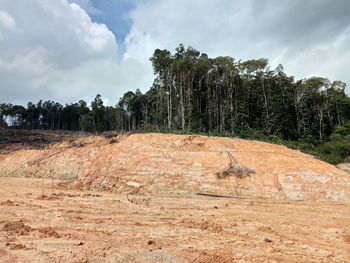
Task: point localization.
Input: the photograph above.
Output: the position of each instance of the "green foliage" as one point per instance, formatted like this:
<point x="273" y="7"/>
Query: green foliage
<point x="86" y="122"/>
<point x="341" y="130"/>
<point x="149" y="128"/>
<point x="336" y="150"/>
<point x="195" y="94"/>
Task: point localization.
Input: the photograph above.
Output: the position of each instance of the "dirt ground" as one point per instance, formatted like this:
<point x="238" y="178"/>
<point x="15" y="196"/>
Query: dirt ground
<point x="170" y="164"/>
<point x="85" y="226"/>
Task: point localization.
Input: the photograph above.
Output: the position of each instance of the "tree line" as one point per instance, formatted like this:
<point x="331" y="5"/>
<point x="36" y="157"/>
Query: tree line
<point x="194" y="93"/>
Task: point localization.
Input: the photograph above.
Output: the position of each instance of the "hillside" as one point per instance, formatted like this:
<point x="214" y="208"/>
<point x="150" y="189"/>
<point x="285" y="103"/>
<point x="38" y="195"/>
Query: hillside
<point x="163" y="163"/>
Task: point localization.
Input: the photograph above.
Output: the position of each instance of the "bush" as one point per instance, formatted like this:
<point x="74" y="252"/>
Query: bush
<point x="332" y="158"/>
<point x="240" y="171"/>
<point x="342" y="130"/>
<point x="336" y="150"/>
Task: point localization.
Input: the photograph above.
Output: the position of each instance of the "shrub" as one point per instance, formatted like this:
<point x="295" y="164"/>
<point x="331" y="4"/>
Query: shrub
<point x="240" y="171"/>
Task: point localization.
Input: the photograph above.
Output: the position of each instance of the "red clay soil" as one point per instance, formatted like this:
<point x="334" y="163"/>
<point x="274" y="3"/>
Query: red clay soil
<point x="171" y="164"/>
<point x="84" y="226"/>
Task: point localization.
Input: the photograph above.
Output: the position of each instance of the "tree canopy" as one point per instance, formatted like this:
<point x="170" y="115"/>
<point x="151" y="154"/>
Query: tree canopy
<point x="194" y="93"/>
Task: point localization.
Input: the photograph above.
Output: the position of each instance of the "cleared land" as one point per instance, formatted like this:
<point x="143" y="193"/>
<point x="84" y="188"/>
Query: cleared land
<point x="85" y="226"/>
<point x="170" y="164"/>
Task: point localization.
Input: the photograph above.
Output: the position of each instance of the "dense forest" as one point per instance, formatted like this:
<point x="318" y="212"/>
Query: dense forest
<point x="193" y="93"/>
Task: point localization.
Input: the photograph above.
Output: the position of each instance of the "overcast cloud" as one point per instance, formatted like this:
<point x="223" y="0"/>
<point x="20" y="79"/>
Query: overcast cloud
<point x="52" y="50"/>
<point x="308" y="37"/>
<point x="55" y="49"/>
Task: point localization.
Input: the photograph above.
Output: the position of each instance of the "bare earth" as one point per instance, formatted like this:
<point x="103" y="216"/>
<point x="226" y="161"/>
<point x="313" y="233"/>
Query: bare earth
<point x="156" y="163"/>
<point x="86" y="226"/>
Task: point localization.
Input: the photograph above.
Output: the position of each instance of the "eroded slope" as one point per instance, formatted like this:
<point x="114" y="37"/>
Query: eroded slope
<point x="163" y="163"/>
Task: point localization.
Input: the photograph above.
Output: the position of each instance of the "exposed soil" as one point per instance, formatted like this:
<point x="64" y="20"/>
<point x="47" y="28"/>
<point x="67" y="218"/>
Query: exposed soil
<point x="170" y="164"/>
<point x="85" y="226"/>
<point x="344" y="166"/>
<point x="149" y="210"/>
<point x="17" y="228"/>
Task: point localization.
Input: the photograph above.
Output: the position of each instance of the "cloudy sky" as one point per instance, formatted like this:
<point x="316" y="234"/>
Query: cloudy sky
<point x="66" y="50"/>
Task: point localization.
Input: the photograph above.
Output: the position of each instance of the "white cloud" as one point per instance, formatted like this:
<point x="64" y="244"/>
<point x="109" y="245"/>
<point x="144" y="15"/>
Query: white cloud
<point x="7" y="21"/>
<point x="87" y="6"/>
<point x="7" y="25"/>
<point x="102" y="76"/>
<point x="331" y="60"/>
<point x="52" y="50"/>
<point x="308" y="38"/>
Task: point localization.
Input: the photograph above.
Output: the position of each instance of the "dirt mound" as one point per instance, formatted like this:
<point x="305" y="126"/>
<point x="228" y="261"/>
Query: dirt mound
<point x="8" y="203"/>
<point x="48" y="232"/>
<point x="163" y="163"/>
<point x="48" y="197"/>
<point x="15" y="246"/>
<point x="17" y="228"/>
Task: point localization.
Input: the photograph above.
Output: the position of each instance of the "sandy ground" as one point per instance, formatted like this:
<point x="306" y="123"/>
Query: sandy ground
<point x="82" y="226"/>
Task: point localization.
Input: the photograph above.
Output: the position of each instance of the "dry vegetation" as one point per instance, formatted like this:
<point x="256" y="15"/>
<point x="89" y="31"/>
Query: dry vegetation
<point x="15" y="139"/>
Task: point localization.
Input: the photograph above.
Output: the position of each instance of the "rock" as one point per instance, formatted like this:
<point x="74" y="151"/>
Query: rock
<point x="266" y="239"/>
<point x="151" y="242"/>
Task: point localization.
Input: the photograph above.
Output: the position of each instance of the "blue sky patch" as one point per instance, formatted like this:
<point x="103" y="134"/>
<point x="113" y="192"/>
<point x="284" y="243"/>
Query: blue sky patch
<point x="113" y="13"/>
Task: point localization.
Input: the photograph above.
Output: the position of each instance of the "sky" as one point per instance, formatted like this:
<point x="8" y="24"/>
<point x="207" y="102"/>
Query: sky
<point x="67" y="50"/>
